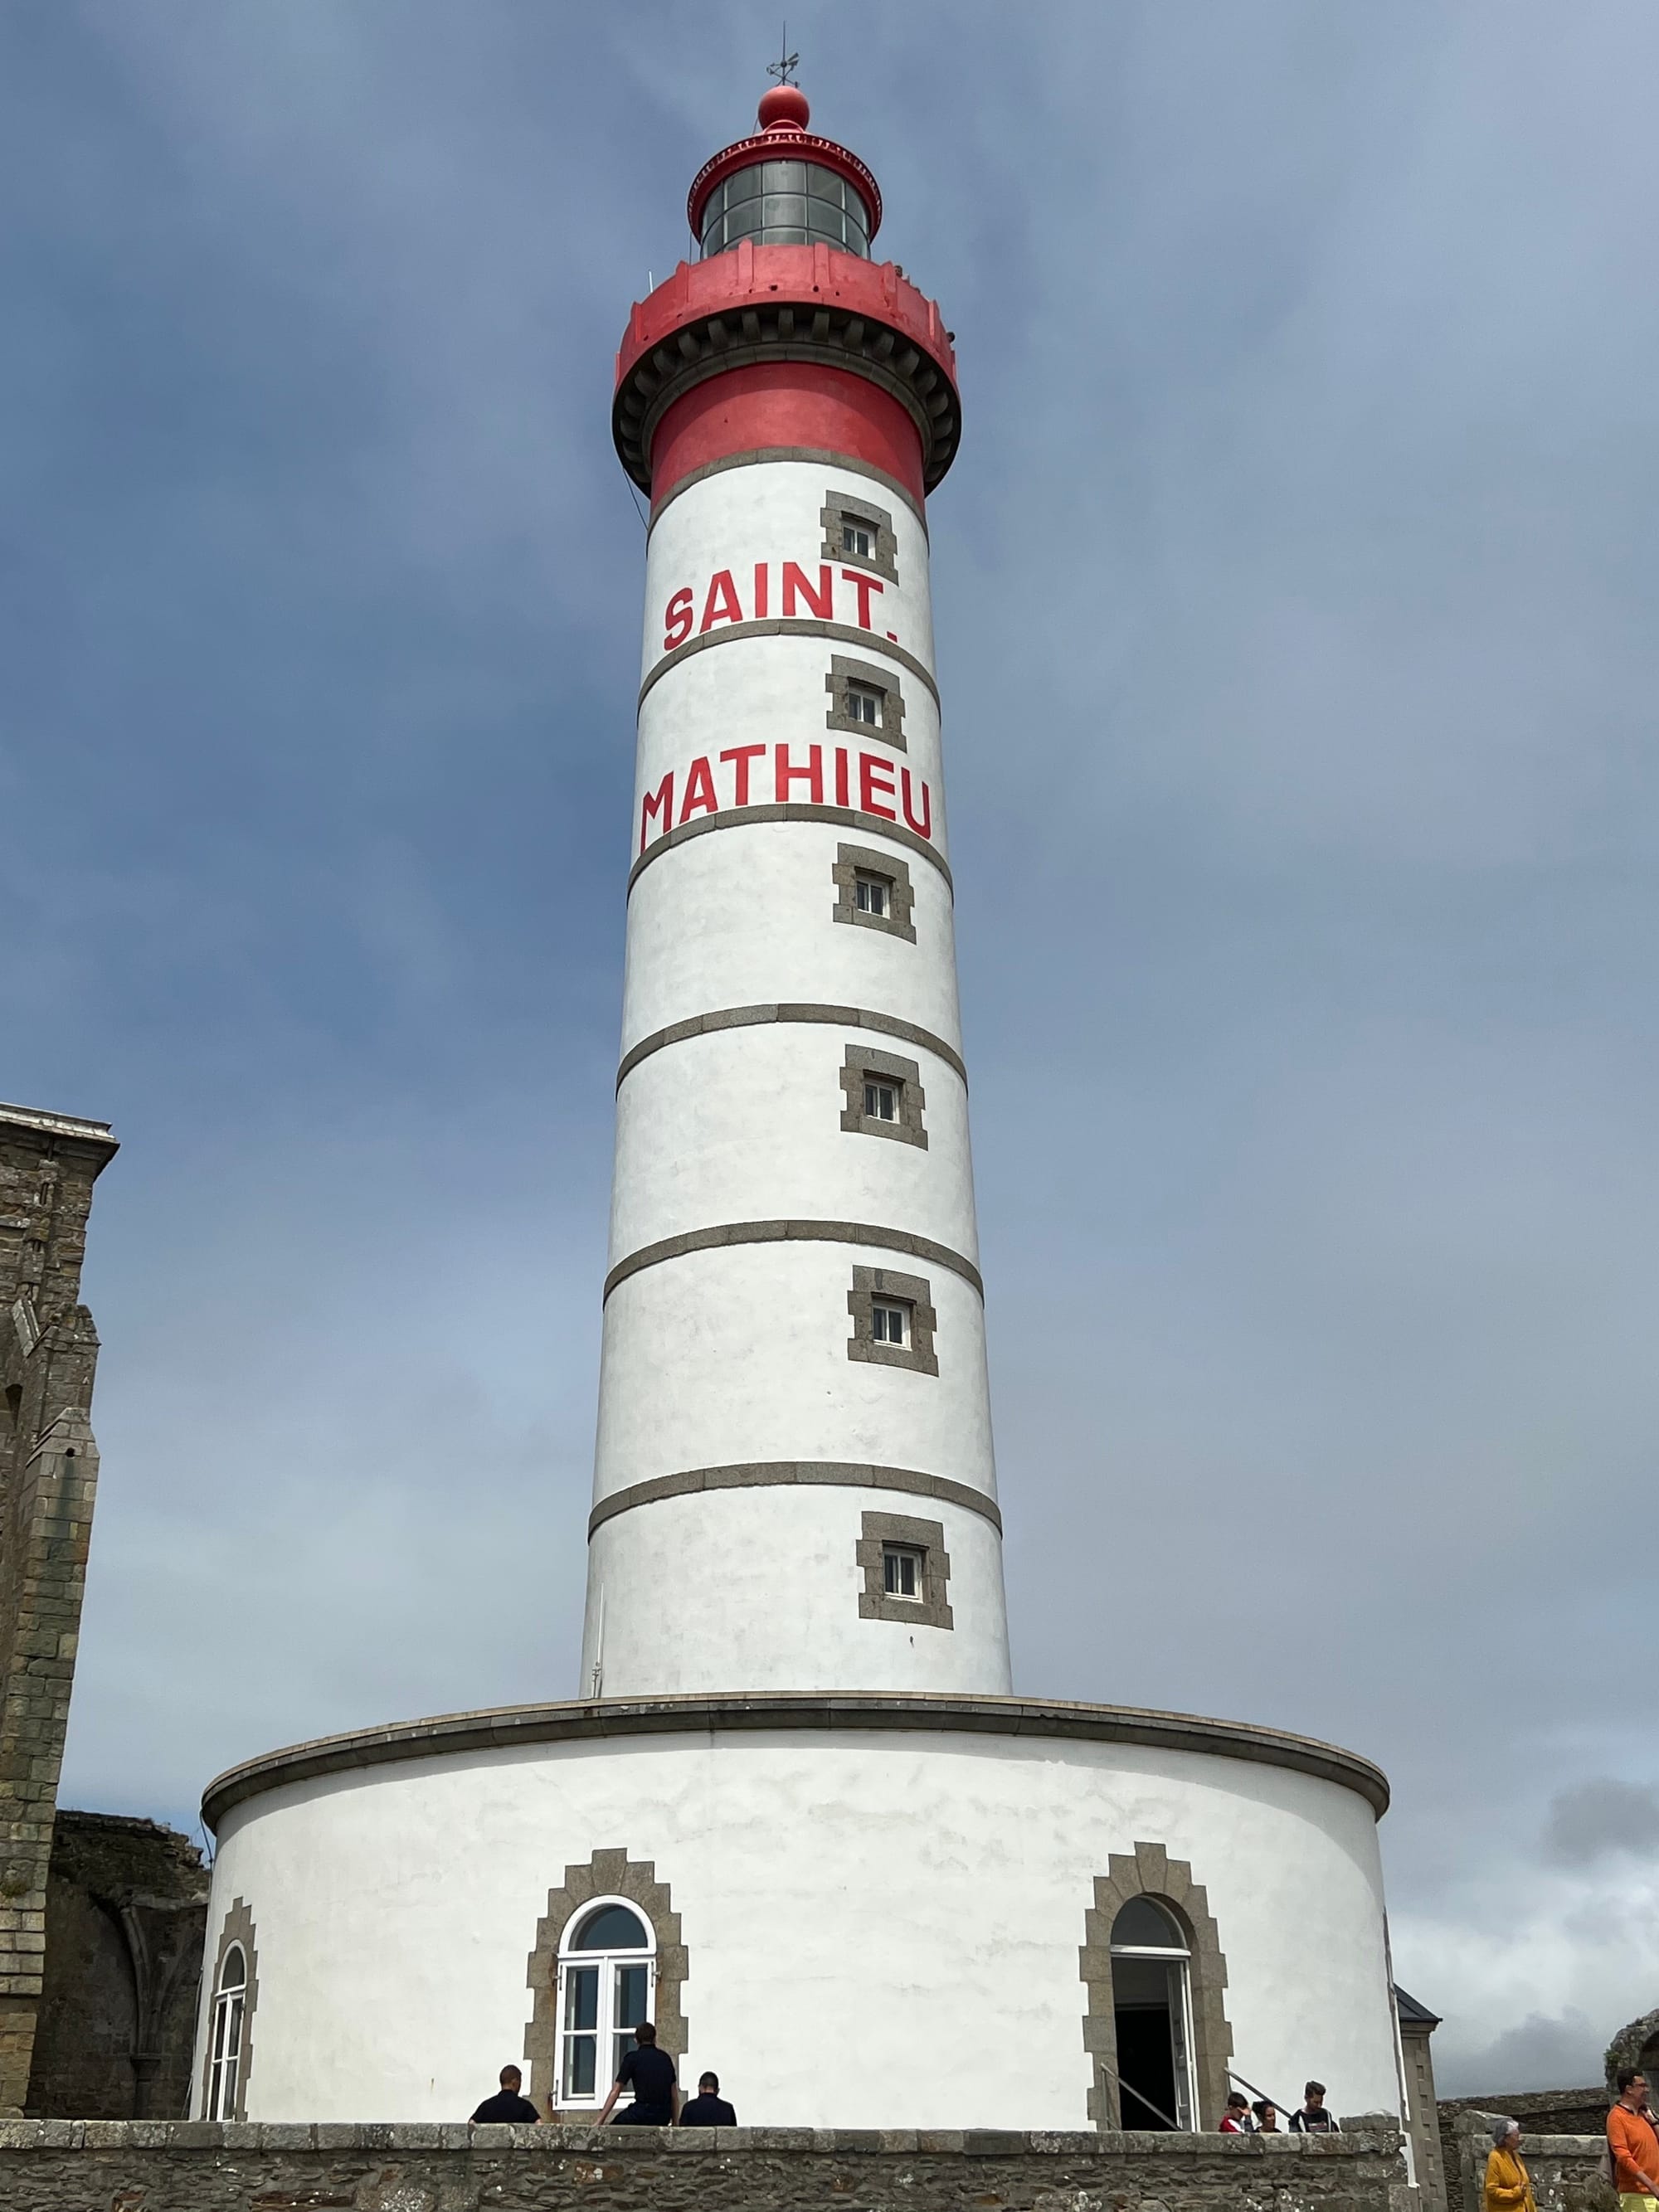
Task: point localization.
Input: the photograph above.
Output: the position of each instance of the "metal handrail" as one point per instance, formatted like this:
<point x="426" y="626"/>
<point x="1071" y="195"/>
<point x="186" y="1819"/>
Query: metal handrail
<point x="1262" y="2094"/>
<point x="1174" y="2126"/>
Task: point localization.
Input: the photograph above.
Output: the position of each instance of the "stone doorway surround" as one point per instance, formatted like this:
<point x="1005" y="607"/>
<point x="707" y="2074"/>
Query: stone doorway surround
<point x="1151" y="1872"/>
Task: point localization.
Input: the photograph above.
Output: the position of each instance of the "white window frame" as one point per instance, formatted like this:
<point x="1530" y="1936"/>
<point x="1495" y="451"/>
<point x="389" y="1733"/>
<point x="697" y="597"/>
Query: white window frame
<point x="855" y="527"/>
<point x="917" y="1560"/>
<point x="888" y="1307"/>
<point x="225" y="2045"/>
<point x="860" y="695"/>
<point x="606" y="2029"/>
<point x="867" y="887"/>
<point x="877" y="1088"/>
<point x="1183" y="2059"/>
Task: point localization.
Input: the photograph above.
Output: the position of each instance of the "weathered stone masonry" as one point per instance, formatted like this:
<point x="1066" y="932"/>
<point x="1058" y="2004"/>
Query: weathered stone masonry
<point x="68" y="2166"/>
<point x="48" y="1477"/>
<point x="126" y="1917"/>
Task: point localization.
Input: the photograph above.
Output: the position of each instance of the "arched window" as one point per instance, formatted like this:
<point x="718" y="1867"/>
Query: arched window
<point x="229" y="2005"/>
<point x="607" y="1979"/>
<point x="1153" y="2011"/>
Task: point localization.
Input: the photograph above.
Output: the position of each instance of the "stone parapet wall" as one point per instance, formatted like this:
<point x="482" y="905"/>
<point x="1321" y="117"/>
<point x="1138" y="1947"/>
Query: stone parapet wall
<point x="90" y="2165"/>
<point x="1541" y="2112"/>
<point x="1565" y="2169"/>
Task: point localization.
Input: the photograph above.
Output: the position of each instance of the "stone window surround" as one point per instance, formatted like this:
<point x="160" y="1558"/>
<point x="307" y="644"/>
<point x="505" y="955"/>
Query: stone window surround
<point x="840" y="506"/>
<point x="889" y="729"/>
<point x="1151" y="1872"/>
<point x="862" y="1061"/>
<point x="854" y="861"/>
<point x="236" y="1928"/>
<point x="870" y="1284"/>
<point x="931" y="1609"/>
<point x="609" y="1873"/>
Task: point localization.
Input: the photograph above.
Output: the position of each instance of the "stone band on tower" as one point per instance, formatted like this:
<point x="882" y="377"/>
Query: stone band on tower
<point x="795" y="1485"/>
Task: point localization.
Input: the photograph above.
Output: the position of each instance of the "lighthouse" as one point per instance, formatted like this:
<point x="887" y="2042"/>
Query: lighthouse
<point x="795" y="1780"/>
<point x="794" y="1485"/>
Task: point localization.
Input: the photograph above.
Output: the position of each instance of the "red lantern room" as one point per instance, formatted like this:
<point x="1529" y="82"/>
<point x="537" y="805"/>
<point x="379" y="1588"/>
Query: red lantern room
<point x="785" y="335"/>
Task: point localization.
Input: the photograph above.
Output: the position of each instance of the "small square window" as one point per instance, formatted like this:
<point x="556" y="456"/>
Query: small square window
<point x="894" y="1321"/>
<point x="858" y="530"/>
<point x="901" y="1572"/>
<point x="866" y="700"/>
<point x="890" y="1324"/>
<point x="874" y="890"/>
<point x="905" y="1570"/>
<point x="882" y="1095"/>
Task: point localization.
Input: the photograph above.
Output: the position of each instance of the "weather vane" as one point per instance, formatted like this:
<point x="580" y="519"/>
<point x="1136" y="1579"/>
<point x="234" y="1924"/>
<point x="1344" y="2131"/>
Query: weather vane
<point x="782" y="68"/>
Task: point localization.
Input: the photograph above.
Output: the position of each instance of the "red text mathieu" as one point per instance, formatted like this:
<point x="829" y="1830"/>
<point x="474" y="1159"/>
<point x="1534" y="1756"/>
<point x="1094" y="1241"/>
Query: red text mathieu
<point x="873" y="784"/>
<point x="822" y="593"/>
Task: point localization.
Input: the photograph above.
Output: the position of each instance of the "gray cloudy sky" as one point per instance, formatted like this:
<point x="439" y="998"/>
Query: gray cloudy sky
<point x="1295" y="592"/>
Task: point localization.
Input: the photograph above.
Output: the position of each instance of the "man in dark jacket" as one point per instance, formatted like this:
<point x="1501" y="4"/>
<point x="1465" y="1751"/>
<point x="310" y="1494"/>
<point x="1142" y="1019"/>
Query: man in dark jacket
<point x="707" y="2109"/>
<point x="509" y="2105"/>
<point x="1313" y="2119"/>
<point x="649" y="2073"/>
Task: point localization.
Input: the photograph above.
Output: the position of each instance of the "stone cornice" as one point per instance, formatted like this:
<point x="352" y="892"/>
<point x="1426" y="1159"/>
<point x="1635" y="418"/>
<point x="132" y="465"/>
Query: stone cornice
<point x="794" y="1473"/>
<point x="817" y="456"/>
<point x="505" y="1728"/>
<point x="788" y="626"/>
<point x="866" y="1234"/>
<point x="742" y="1017"/>
<point x="61" y="1131"/>
<point x="837" y="818"/>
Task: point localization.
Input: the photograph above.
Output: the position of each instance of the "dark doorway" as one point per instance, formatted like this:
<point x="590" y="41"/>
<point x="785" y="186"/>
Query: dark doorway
<point x="1147" y="2095"/>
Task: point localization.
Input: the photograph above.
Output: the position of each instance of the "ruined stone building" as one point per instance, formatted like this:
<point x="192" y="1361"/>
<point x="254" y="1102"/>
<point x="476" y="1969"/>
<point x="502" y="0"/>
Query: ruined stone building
<point x="100" y="1916"/>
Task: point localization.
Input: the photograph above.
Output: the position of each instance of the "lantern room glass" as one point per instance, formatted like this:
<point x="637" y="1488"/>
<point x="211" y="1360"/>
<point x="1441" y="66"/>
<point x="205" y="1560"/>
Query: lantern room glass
<point x="785" y="203"/>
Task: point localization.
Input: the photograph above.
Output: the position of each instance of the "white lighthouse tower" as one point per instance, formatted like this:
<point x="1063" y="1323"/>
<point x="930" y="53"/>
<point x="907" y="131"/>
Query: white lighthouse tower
<point x="794" y="1778"/>
<point x="794" y="1485"/>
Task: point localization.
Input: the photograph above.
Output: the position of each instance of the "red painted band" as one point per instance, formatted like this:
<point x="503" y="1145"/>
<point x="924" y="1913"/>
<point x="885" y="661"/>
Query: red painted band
<point x="785" y="402"/>
<point x="750" y="276"/>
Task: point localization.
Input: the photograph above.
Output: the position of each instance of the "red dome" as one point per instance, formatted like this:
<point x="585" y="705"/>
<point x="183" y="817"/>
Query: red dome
<point x="784" y="108"/>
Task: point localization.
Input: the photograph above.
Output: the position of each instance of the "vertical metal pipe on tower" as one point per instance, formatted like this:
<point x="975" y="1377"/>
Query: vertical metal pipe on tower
<point x="794" y="1485"/>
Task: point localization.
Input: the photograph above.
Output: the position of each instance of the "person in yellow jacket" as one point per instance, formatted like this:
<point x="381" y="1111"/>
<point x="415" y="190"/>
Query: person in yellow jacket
<point x="1509" y="2188"/>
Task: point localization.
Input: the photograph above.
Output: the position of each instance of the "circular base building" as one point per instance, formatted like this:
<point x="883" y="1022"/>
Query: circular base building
<point x="798" y="1819"/>
<point x="861" y="1910"/>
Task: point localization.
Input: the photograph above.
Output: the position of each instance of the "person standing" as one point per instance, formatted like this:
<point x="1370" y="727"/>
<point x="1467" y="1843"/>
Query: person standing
<point x="707" y="2109"/>
<point x="1313" y="2119"/>
<point x="1235" y="2120"/>
<point x="1633" y="2144"/>
<point x="649" y="2073"/>
<point x="1266" y="2116"/>
<point x="1509" y="2186"/>
<point x="510" y="2104"/>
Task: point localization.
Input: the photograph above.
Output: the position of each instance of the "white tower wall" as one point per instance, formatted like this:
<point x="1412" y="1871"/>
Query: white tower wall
<point x="733" y="1489"/>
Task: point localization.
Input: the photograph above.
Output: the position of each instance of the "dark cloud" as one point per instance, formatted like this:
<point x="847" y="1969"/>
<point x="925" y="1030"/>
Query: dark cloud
<point x="1294" y="594"/>
<point x="1541" y="2053"/>
<point x="1602" y="1820"/>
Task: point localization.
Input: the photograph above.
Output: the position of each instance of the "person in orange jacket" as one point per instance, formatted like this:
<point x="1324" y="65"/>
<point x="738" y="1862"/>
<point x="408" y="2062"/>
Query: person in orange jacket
<point x="1634" y="2145"/>
<point x="1509" y="2185"/>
